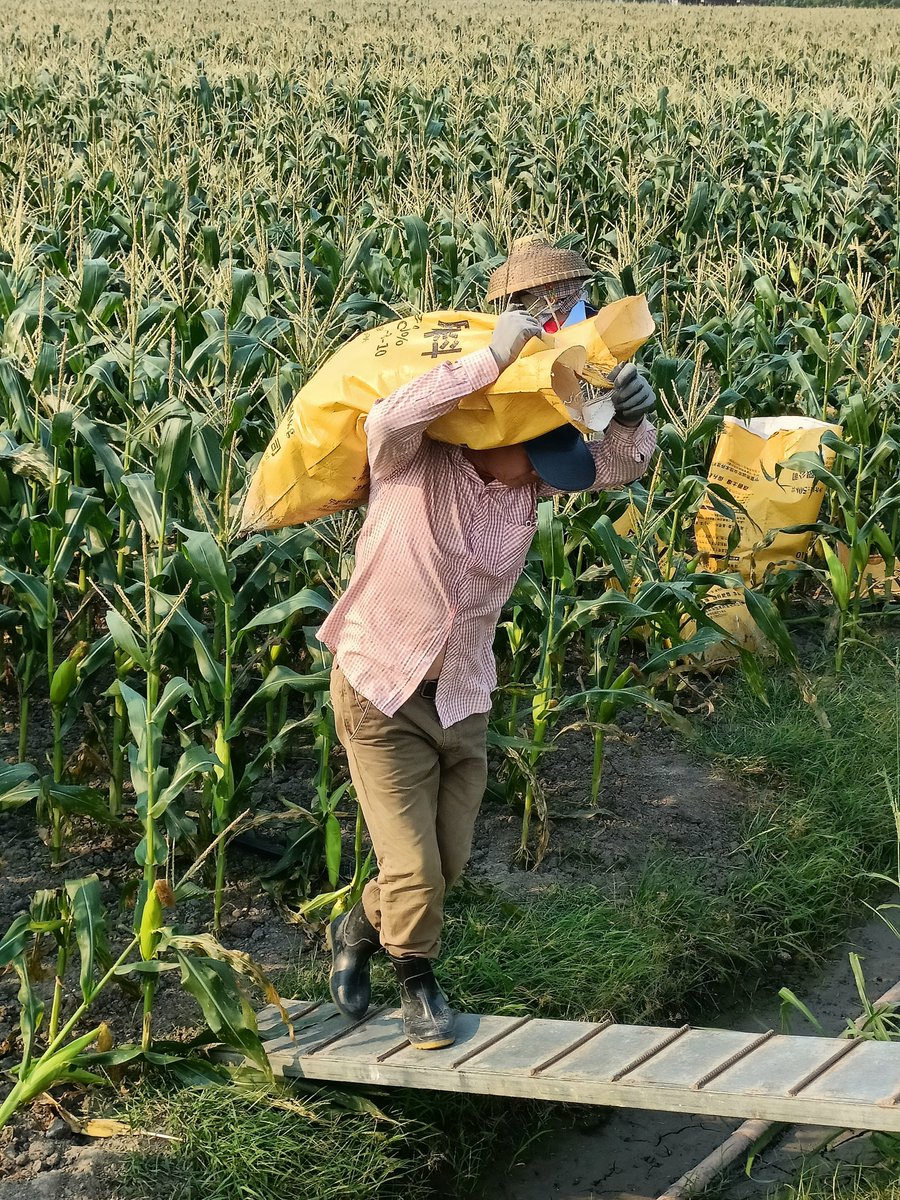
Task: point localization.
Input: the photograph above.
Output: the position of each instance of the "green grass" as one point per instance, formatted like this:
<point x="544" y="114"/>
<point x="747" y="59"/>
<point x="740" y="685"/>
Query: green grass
<point x="809" y="858"/>
<point x="868" y="1183"/>
<point x="330" y="1144"/>
<point x="666" y="950"/>
<point x="240" y="1147"/>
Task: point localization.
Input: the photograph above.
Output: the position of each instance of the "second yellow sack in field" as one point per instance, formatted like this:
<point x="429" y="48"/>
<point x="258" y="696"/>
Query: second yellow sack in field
<point x="316" y="462"/>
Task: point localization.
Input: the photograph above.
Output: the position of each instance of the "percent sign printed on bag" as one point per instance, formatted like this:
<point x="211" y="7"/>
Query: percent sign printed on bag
<point x="316" y="462"/>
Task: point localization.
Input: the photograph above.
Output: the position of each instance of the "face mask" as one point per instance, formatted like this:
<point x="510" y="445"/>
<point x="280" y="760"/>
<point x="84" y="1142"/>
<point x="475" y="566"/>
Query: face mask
<point x="551" y="305"/>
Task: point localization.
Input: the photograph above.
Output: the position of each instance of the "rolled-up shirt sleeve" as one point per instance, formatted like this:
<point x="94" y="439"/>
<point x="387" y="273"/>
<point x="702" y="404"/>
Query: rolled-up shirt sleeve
<point x="621" y="457"/>
<point x="396" y="423"/>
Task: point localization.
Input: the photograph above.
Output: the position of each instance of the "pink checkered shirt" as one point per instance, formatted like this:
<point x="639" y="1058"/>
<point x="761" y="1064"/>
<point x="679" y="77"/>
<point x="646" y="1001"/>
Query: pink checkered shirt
<point x="440" y="551"/>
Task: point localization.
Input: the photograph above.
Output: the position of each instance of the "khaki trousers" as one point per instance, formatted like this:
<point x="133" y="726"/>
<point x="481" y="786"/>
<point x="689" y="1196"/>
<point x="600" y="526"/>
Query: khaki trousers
<point x="420" y="787"/>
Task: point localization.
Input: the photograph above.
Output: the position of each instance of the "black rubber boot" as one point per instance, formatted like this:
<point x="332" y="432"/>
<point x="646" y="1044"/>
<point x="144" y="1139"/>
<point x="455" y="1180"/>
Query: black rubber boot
<point x="353" y="940"/>
<point x="428" y="1020"/>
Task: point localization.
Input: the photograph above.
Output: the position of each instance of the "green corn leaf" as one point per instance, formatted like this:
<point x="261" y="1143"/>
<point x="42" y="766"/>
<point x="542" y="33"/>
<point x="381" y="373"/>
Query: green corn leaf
<point x="126" y="638"/>
<point x="814" y="341"/>
<point x="173" y="453"/>
<point x="31" y="1011"/>
<point x="611" y="546"/>
<point x="86" y="901"/>
<point x="332" y="848"/>
<point x="14" y="386"/>
<point x="99" y="441"/>
<point x="196" y="760"/>
<point x="621" y="698"/>
<point x="302" y="601"/>
<point x="52" y="1068"/>
<point x="61" y="428"/>
<point x="45" y="911"/>
<point x="211" y="251"/>
<point x="205" y="556"/>
<point x="550" y="541"/>
<point x="612" y="604"/>
<point x="191" y="633"/>
<point x="884" y="544"/>
<point x="697" y="208"/>
<point x="857" y="419"/>
<point x="147" y="502"/>
<point x="274" y="683"/>
<point x="214" y="986"/>
<point x="18" y="785"/>
<point x="136" y="707"/>
<point x="241" y="283"/>
<point x="84" y="509"/>
<point x="704" y="639"/>
<point x="14" y="941"/>
<point x="838" y="576"/>
<point x="768" y="619"/>
<point x="765" y="289"/>
<point x="83" y="800"/>
<point x="416" y="232"/>
<point x="174" y="692"/>
<point x="95" y="277"/>
<point x="31" y="594"/>
<point x="807" y="463"/>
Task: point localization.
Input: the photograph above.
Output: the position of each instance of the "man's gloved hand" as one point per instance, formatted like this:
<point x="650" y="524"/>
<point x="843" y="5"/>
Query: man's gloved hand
<point x="632" y="396"/>
<point x="513" y="329"/>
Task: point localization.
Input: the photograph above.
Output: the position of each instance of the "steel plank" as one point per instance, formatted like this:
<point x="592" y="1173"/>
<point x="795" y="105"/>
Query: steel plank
<point x="471" y="1031"/>
<point x="607" y="1053"/>
<point x="775" y="1066"/>
<point x="322" y="1023"/>
<point x="370" y="1040"/>
<point x="269" y="1020"/>
<point x="870" y="1075"/>
<point x="691" y="1057"/>
<point x="532" y="1044"/>
<point x="853" y="1092"/>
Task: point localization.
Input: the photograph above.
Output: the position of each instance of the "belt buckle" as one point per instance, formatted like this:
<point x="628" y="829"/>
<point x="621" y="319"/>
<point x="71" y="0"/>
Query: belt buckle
<point x="428" y="689"/>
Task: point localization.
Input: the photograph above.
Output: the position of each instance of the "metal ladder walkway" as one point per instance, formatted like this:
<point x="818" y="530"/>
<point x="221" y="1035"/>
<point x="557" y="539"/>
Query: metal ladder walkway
<point x="851" y="1083"/>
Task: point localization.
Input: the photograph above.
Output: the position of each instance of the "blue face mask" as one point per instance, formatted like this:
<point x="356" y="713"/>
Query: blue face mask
<point x="578" y="313"/>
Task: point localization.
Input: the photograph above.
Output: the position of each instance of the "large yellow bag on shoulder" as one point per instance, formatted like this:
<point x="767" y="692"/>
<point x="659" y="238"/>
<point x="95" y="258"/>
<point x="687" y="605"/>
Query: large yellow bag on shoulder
<point x="316" y="462"/>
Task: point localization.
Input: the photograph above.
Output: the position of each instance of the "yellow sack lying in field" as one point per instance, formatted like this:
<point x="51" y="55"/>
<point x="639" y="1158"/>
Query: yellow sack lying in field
<point x="744" y="461"/>
<point x="316" y="462"/>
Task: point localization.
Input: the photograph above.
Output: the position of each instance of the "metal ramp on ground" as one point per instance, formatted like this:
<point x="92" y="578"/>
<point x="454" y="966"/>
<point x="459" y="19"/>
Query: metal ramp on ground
<point x="849" y="1083"/>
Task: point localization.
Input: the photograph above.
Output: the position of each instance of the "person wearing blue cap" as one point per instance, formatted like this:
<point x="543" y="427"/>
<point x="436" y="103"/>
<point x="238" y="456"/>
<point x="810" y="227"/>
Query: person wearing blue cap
<point x="444" y="542"/>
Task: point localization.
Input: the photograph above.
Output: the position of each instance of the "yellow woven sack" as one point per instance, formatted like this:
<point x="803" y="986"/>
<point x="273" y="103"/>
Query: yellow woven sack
<point x="744" y="461"/>
<point x="316" y="462"/>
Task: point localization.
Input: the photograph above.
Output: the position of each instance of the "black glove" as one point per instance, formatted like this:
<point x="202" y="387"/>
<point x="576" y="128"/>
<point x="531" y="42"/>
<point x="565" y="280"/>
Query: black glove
<point x="632" y="396"/>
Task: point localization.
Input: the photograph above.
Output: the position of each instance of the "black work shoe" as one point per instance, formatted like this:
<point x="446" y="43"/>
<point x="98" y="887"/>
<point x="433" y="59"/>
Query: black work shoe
<point x="353" y="940"/>
<point x="428" y="1020"/>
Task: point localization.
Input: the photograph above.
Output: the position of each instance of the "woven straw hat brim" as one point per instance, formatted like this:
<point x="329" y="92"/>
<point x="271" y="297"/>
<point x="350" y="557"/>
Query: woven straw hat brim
<point x="533" y="263"/>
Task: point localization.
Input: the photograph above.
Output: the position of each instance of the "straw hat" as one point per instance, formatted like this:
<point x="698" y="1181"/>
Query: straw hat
<point x="534" y="261"/>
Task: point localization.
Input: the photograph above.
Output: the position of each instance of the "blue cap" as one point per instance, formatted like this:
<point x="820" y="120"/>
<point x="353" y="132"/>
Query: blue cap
<point x="562" y="459"/>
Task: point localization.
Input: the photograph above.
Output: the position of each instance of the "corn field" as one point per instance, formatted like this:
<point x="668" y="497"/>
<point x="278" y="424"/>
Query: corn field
<point x="198" y="205"/>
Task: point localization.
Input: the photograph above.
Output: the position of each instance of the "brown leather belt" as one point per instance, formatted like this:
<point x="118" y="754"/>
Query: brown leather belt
<point x="428" y="688"/>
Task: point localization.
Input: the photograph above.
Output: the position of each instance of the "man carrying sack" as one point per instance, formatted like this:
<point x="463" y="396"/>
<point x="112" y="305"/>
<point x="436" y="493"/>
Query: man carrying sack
<point x="444" y="542"/>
